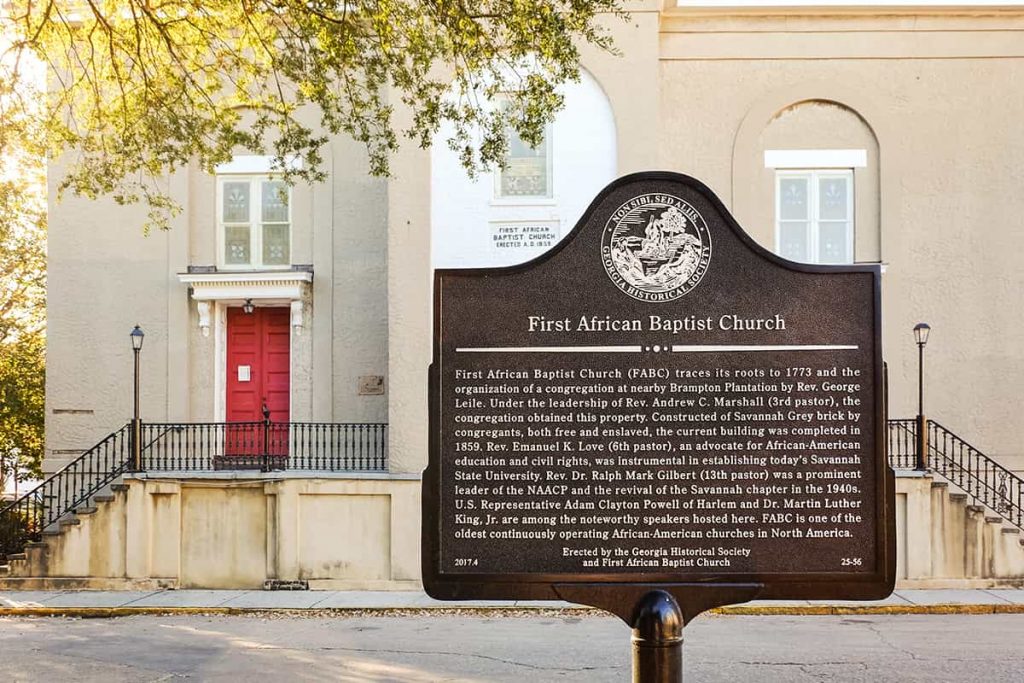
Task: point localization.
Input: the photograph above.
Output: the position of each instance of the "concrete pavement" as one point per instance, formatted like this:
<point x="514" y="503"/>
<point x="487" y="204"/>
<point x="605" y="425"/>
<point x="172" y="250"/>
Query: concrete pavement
<point x="120" y="603"/>
<point x="506" y="646"/>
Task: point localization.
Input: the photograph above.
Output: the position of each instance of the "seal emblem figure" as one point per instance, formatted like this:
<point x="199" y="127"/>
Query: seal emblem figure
<point x="656" y="247"/>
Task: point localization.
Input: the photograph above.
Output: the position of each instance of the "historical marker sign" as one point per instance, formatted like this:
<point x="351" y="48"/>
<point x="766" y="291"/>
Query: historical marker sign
<point x="658" y="401"/>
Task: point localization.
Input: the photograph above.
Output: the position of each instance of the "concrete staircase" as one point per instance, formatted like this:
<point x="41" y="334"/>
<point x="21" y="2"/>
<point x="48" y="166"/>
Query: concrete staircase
<point x="943" y="541"/>
<point x="82" y="550"/>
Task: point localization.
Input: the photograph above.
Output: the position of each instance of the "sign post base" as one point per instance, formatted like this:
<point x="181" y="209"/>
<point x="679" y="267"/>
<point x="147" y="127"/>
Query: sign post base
<point x="658" y="639"/>
<point x="657" y="614"/>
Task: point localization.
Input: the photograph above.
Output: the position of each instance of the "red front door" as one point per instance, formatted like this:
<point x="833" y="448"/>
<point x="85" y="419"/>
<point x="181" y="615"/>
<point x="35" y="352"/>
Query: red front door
<point x="258" y="360"/>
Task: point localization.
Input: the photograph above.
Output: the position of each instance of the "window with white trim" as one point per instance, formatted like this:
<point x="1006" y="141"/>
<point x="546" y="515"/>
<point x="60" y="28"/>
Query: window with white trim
<point x="253" y="221"/>
<point x="814" y="215"/>
<point x="527" y="172"/>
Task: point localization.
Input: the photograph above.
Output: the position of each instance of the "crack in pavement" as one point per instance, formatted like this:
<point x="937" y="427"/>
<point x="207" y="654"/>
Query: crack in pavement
<point x="873" y="627"/>
<point x="808" y="668"/>
<point x="444" y="653"/>
<point x="826" y="675"/>
<point x="843" y="663"/>
<point x="169" y="676"/>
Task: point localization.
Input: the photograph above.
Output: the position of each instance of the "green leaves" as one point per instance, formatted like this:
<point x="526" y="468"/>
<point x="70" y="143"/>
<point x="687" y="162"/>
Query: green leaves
<point x="22" y="311"/>
<point x="139" y="89"/>
<point x="22" y="380"/>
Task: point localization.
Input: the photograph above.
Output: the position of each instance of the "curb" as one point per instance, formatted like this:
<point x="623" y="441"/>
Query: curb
<point x="819" y="610"/>
<point x="735" y="610"/>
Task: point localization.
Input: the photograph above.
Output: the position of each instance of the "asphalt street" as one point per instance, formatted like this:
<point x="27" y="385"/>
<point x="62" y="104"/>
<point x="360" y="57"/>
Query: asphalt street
<point x="505" y="647"/>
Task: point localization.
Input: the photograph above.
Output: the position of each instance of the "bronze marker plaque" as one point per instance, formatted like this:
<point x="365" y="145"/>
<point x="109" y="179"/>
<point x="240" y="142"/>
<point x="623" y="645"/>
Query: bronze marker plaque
<point x="658" y="400"/>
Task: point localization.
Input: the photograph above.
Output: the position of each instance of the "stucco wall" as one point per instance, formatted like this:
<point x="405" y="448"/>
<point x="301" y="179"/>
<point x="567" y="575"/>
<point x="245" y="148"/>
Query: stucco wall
<point x="348" y="533"/>
<point x="237" y="532"/>
<point x="631" y="84"/>
<point x="933" y="96"/>
<point x="105" y="276"/>
<point x="466" y="215"/>
<point x="941" y="95"/>
<point x="930" y="97"/>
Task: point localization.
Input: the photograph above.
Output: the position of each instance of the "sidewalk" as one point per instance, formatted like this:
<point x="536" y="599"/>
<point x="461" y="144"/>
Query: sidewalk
<point x="123" y="603"/>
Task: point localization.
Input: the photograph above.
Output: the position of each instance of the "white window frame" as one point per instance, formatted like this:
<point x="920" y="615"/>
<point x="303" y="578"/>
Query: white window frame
<point x="549" y="155"/>
<point x="255" y="222"/>
<point x="813" y="176"/>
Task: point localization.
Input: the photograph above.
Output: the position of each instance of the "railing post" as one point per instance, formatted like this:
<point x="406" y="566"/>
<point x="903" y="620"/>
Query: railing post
<point x="922" y="443"/>
<point x="136" y="337"/>
<point x="136" y="436"/>
<point x="266" y="444"/>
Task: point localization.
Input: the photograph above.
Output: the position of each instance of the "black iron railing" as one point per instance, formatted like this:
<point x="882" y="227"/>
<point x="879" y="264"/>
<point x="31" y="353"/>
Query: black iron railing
<point x="987" y="482"/>
<point x="192" y="447"/>
<point x="25" y="519"/>
<point x="903" y="443"/>
<point x="267" y="446"/>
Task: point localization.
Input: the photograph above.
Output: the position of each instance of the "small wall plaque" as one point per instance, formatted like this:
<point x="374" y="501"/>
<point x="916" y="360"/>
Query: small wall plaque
<point x="371" y="385"/>
<point x="520" y="235"/>
<point x="244" y="373"/>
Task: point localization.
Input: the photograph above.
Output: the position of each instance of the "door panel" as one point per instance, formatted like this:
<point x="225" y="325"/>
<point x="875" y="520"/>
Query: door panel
<point x="243" y="397"/>
<point x="258" y="374"/>
<point x="275" y="362"/>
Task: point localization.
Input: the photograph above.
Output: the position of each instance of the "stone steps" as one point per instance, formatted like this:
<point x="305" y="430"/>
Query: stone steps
<point x="993" y="548"/>
<point x="30" y="564"/>
<point x="966" y="545"/>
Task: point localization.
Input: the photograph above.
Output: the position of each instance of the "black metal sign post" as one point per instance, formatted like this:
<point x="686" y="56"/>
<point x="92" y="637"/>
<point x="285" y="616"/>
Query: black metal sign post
<point x="656" y="418"/>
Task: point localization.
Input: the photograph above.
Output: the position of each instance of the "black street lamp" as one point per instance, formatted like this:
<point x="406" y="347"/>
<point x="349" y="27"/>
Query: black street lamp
<point x="921" y="331"/>
<point x="137" y="335"/>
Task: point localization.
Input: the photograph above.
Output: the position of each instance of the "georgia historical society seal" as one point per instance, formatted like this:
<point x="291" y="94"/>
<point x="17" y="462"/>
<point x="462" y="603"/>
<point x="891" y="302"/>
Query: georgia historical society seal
<point x="656" y="247"/>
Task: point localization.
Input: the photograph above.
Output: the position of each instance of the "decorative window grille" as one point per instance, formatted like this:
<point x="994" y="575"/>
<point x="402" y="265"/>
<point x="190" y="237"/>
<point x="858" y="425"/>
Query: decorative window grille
<point x="527" y="171"/>
<point x="814" y="215"/>
<point x="254" y="222"/>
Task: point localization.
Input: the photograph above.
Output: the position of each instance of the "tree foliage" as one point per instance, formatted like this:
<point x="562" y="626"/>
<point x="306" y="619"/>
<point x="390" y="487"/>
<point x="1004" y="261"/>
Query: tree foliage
<point x="22" y="310"/>
<point x="142" y="87"/>
<point x="22" y="379"/>
<point x="22" y="247"/>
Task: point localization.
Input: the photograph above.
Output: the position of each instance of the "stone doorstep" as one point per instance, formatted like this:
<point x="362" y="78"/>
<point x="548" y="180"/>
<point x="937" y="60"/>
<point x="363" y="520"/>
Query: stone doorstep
<point x="940" y="485"/>
<point x="993" y="520"/>
<point x="70" y="522"/>
<point x="119" y="487"/>
<point x="85" y="510"/>
<point x="1010" y="530"/>
<point x="959" y="497"/>
<point x="103" y="498"/>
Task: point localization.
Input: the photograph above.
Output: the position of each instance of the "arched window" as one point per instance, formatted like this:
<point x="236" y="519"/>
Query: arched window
<point x="820" y="175"/>
<point x="512" y="215"/>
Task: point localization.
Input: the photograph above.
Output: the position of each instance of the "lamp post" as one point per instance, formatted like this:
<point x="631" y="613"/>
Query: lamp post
<point x="136" y="335"/>
<point x="921" y="331"/>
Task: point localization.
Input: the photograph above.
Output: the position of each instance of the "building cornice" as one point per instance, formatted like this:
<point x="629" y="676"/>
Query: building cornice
<point x="275" y="287"/>
<point x="283" y="285"/>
